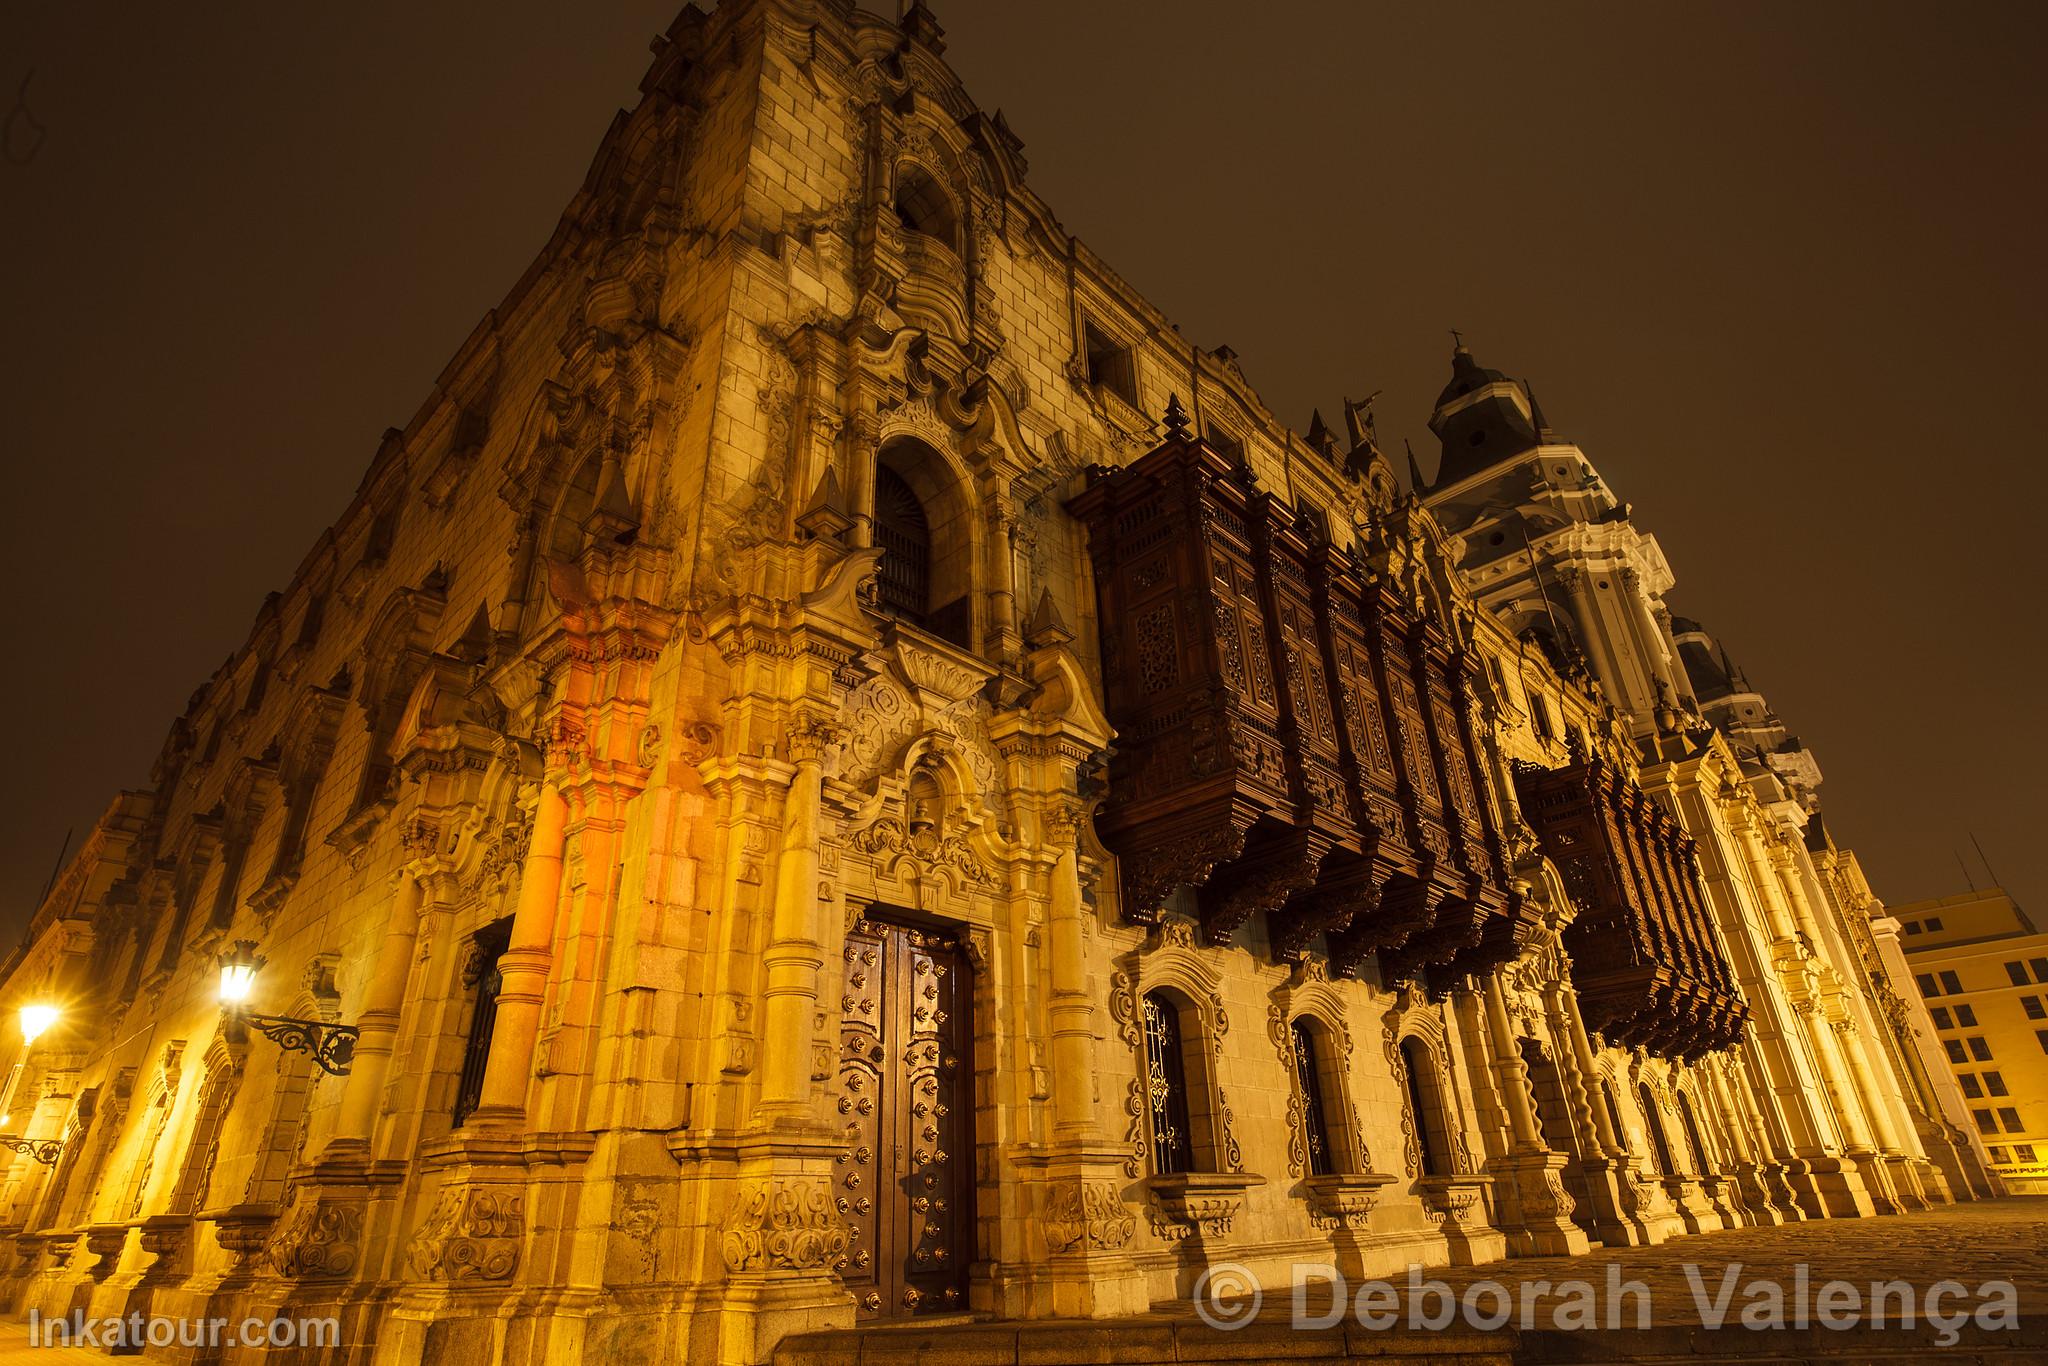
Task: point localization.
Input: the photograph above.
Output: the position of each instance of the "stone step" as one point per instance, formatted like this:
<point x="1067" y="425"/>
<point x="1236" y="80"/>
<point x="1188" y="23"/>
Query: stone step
<point x="1132" y="1342"/>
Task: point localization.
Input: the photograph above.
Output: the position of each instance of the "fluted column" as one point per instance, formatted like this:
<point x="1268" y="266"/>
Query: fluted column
<point x="362" y="1092"/>
<point x="794" y="955"/>
<point x="523" y="968"/>
<point x="1073" y="1003"/>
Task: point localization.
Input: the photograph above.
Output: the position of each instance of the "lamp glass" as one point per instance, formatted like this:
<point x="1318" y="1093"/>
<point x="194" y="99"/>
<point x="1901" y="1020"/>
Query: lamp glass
<point x="237" y="979"/>
<point x="35" y="1019"/>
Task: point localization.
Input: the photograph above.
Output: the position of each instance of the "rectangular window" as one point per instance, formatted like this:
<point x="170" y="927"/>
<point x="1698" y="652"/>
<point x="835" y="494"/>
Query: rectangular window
<point x="1109" y="364"/>
<point x="2041" y="1036"/>
<point x="1951" y="983"/>
<point x="2035" y="1010"/>
<point x="2025" y="1151"/>
<point x="1966" y="1017"/>
<point x="1912" y="927"/>
<point x="1995" y="1084"/>
<point x="1955" y="1051"/>
<point x="1980" y="1050"/>
<point x="1986" y="1122"/>
<point x="1925" y="981"/>
<point x="2010" y="1118"/>
<point x="2040" y="966"/>
<point x="1939" y="1014"/>
<point x="1997" y="1154"/>
<point x="1933" y="923"/>
<point x="1970" y="1086"/>
<point x="1539" y="716"/>
<point x="2018" y="973"/>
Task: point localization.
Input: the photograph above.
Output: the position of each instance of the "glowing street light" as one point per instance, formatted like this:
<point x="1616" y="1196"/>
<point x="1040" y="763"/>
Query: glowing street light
<point x="332" y="1046"/>
<point x="34" y="1020"/>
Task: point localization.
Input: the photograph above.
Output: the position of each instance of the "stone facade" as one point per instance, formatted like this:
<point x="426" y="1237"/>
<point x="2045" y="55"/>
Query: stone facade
<point x="710" y="912"/>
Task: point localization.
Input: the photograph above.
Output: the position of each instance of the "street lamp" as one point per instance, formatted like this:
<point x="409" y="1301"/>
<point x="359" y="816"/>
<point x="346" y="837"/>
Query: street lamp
<point x="36" y="1019"/>
<point x="332" y="1046"/>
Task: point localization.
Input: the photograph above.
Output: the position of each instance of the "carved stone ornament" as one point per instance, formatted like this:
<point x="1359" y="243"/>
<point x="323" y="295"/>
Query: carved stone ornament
<point x="473" y="1235"/>
<point x="1086" y="1216"/>
<point x="781" y="1225"/>
<point x="322" y="1242"/>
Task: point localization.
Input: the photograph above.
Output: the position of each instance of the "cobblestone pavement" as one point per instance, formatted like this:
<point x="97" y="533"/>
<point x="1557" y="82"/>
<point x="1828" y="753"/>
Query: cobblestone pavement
<point x="1971" y="1244"/>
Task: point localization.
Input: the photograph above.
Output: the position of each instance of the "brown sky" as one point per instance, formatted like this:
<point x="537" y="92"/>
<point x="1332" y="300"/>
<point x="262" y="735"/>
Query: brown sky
<point x="1777" y="267"/>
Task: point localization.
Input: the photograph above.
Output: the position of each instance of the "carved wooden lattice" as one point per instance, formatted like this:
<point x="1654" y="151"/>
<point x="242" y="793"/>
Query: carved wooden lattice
<point x="1292" y="738"/>
<point x="1645" y="962"/>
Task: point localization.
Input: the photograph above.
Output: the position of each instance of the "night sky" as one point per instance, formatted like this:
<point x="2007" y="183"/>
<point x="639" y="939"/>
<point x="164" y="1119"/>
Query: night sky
<point x="1778" y="269"/>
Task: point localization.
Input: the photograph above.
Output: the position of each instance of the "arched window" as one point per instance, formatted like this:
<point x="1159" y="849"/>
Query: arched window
<point x="1315" y="1118"/>
<point x="1692" y="1134"/>
<point x="1613" y="1113"/>
<point x="1658" y="1146"/>
<point x="923" y="207"/>
<point x="1432" y="1133"/>
<point x="905" y="537"/>
<point x="1166" y="1085"/>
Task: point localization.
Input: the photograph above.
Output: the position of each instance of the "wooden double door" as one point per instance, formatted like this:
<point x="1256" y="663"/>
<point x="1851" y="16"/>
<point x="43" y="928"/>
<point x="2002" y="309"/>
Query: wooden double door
<point x="905" y="1183"/>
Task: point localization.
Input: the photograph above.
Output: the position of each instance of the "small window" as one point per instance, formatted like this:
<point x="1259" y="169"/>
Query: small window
<point x="2035" y="1010"/>
<point x="1224" y="444"/>
<point x="1955" y="1051"/>
<point x="2041" y="1037"/>
<point x="1966" y="1016"/>
<point x="1539" y="716"/>
<point x="1997" y="1154"/>
<point x="1110" y="365"/>
<point x="2025" y="1151"/>
<point x="2040" y="966"/>
<point x="1951" y="983"/>
<point x="1925" y="981"/>
<point x="1432" y="1130"/>
<point x="1987" y="1123"/>
<point x="1980" y="1050"/>
<point x="1995" y="1084"/>
<point x="924" y="208"/>
<point x="1971" y="1088"/>
<point x="1939" y="1014"/>
<point x="1173" y="1148"/>
<point x="1912" y="927"/>
<point x="2018" y="973"/>
<point x="2010" y="1118"/>
<point x="1933" y="923"/>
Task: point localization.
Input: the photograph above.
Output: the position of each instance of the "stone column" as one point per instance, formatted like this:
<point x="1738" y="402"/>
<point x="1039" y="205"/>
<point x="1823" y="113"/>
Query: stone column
<point x="362" y="1092"/>
<point x="1599" y="1147"/>
<point x="523" y="968"/>
<point x="1544" y="1204"/>
<point x="795" y="957"/>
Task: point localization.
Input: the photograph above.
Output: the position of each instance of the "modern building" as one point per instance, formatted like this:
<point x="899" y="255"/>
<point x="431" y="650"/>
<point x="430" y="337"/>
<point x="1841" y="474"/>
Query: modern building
<point x="1982" y="968"/>
<point x="840" y="768"/>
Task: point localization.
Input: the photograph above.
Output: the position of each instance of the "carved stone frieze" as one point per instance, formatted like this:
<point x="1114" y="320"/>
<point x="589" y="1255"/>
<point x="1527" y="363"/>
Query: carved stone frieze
<point x="782" y="1225"/>
<point x="473" y="1234"/>
<point x="1086" y="1215"/>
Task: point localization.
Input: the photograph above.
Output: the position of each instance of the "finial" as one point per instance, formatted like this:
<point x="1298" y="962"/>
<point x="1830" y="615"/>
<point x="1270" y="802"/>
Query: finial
<point x="1458" y="343"/>
<point x="1176" y="419"/>
<point x="1414" y="469"/>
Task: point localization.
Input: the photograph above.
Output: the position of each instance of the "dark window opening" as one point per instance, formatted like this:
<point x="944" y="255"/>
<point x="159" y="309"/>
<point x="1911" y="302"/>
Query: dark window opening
<point x="1166" y="1077"/>
<point x="1995" y="1084"/>
<point x="481" y="973"/>
<point x="1933" y="922"/>
<point x="1950" y="983"/>
<point x="1971" y="1087"/>
<point x="2010" y="1118"/>
<point x="1109" y="364"/>
<point x="1966" y="1016"/>
<point x="924" y="208"/>
<point x="2018" y="973"/>
<point x="1430" y="1140"/>
<point x="1979" y="1049"/>
<point x="1940" y="1016"/>
<point x="1315" y="1119"/>
<point x="1658" y="1146"/>
<point x="905" y="573"/>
